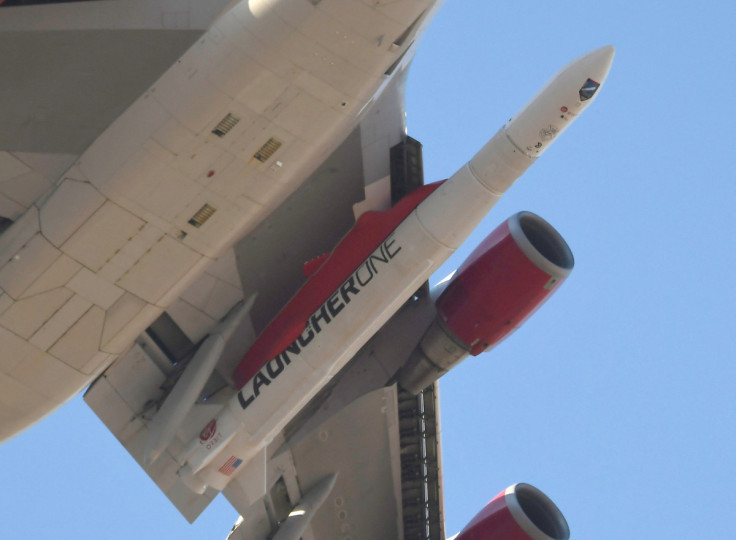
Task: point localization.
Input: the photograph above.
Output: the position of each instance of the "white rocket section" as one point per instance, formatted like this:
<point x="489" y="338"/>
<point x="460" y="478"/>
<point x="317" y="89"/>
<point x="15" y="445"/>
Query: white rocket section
<point x="263" y="407"/>
<point x="556" y="105"/>
<point x="382" y="283"/>
<point x="511" y="151"/>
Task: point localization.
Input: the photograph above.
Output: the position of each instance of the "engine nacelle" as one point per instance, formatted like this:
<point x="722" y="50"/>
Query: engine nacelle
<point x="520" y="512"/>
<point x="506" y="278"/>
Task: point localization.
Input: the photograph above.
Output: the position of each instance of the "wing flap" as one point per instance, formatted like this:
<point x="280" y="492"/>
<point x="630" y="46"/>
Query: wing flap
<point x="361" y="444"/>
<point x="123" y="398"/>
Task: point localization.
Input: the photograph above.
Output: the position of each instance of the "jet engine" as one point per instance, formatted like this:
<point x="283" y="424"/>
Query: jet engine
<point x="520" y="512"/>
<point x="506" y="278"/>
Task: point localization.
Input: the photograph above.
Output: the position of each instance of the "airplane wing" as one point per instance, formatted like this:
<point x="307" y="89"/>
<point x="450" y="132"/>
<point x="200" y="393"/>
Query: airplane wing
<point x="383" y="442"/>
<point x="126" y="125"/>
<point x="387" y="484"/>
<point x="383" y="448"/>
<point x="234" y="248"/>
<point x="69" y="70"/>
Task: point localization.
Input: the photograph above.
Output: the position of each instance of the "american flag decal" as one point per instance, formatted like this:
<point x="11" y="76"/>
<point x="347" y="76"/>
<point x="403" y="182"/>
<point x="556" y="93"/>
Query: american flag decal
<point x="230" y="465"/>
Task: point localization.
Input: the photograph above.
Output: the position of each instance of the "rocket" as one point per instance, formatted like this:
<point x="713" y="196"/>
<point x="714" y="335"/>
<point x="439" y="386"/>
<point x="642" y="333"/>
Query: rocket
<point x="375" y="268"/>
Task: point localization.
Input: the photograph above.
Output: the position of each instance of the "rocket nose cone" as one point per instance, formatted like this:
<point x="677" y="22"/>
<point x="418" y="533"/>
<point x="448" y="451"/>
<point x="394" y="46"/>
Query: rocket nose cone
<point x="597" y="63"/>
<point x="608" y="50"/>
<point x="603" y="57"/>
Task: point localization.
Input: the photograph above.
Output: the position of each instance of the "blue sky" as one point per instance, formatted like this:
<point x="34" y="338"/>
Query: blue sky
<point x="617" y="397"/>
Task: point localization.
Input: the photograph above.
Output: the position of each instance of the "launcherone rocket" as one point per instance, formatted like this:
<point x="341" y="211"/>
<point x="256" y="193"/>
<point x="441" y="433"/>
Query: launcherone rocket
<point x="377" y="266"/>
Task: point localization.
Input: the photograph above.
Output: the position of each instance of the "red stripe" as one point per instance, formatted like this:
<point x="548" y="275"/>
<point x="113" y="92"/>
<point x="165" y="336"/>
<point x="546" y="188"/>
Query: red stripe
<point x="365" y="236"/>
<point x="311" y="266"/>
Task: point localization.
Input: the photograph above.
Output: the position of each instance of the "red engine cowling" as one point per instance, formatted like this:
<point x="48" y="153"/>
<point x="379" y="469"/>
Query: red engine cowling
<point x="521" y="512"/>
<point x="506" y="278"/>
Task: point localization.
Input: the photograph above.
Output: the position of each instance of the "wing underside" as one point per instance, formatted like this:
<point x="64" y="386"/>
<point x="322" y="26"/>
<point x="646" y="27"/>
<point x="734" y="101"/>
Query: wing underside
<point x="69" y="70"/>
<point x="382" y="444"/>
